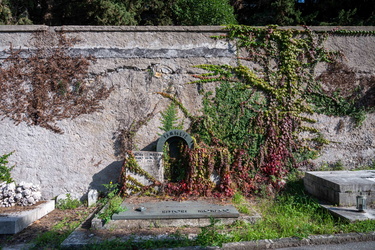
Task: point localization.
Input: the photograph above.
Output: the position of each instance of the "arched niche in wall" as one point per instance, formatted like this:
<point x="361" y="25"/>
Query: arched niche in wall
<point x="172" y="137"/>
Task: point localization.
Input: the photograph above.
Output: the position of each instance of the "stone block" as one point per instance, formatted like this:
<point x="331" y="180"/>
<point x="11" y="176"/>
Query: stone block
<point x="175" y="210"/>
<point x="341" y="187"/>
<point x="13" y="223"/>
<point x="151" y="162"/>
<point x="92" y="197"/>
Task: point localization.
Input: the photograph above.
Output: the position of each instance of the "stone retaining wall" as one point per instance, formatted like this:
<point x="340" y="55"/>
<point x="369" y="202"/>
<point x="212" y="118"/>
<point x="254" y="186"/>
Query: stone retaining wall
<point x="138" y="62"/>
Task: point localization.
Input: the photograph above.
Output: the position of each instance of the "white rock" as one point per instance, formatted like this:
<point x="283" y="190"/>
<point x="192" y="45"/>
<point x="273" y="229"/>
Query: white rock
<point x="11" y="186"/>
<point x="31" y="200"/>
<point x="26" y="192"/>
<point x="61" y="197"/>
<point x="18" y="196"/>
<point x="27" y="185"/>
<point x="37" y="195"/>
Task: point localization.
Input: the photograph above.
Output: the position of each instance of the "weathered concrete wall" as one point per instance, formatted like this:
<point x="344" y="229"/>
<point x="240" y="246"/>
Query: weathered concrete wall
<point x="139" y="61"/>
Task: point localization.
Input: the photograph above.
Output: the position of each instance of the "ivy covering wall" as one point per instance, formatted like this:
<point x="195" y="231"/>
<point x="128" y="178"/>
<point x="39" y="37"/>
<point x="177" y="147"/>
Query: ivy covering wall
<point x="249" y="135"/>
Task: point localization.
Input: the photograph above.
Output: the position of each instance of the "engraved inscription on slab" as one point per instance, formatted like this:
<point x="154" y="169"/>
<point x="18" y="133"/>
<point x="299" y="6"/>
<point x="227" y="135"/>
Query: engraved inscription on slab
<point x="176" y="133"/>
<point x="151" y="162"/>
<point x="176" y="210"/>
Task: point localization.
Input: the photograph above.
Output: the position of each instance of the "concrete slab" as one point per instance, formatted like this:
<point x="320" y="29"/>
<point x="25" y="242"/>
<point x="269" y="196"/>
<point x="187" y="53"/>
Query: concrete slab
<point x="341" y="187"/>
<point x="12" y="223"/>
<point x="173" y="214"/>
<point x="350" y="213"/>
<point x="175" y="210"/>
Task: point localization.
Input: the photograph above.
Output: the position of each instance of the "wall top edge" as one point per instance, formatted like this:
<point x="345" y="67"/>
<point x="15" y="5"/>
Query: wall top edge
<point x="33" y="28"/>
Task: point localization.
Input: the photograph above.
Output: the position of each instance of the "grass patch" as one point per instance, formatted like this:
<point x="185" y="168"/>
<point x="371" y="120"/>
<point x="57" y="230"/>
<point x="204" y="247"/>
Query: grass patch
<point x="242" y="205"/>
<point x="292" y="213"/>
<point x="52" y="239"/>
<point x="68" y="203"/>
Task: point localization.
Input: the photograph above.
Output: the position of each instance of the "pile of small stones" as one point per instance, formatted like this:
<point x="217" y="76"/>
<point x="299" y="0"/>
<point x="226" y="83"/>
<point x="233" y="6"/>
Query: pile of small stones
<point x="23" y="194"/>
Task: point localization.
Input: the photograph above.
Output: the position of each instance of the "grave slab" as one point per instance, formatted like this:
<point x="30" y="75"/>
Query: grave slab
<point x="12" y="223"/>
<point x="341" y="187"/>
<point x="175" y="210"/>
<point x="173" y="214"/>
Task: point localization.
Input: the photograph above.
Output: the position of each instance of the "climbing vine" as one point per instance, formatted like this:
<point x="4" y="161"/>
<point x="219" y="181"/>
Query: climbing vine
<point x="44" y="85"/>
<point x="249" y="136"/>
<point x="128" y="183"/>
<point x="260" y="112"/>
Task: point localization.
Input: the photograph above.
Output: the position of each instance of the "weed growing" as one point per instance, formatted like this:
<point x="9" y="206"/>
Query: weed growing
<point x="68" y="203"/>
<point x="241" y="203"/>
<point x="294" y="214"/>
<point x="52" y="239"/>
<point x="112" y="202"/>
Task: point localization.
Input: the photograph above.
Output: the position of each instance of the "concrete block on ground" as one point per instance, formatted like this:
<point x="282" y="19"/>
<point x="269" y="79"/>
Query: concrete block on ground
<point x="341" y="187"/>
<point x="13" y="223"/>
<point x="92" y="197"/>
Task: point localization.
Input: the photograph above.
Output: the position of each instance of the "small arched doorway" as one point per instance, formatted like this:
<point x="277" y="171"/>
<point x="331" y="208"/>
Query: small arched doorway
<point x="175" y="140"/>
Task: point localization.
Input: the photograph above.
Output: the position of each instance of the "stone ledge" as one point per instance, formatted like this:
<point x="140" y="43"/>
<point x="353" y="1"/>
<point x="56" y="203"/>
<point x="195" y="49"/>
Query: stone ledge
<point x="15" y="222"/>
<point x="202" y="222"/>
<point x="350" y="213"/>
<point x="214" y="29"/>
<point x="296" y="242"/>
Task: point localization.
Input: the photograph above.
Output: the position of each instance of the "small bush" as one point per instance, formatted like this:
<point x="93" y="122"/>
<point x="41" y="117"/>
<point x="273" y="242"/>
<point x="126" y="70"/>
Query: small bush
<point x="5" y="174"/>
<point x="68" y="203"/>
<point x="114" y="207"/>
<point x="113" y="201"/>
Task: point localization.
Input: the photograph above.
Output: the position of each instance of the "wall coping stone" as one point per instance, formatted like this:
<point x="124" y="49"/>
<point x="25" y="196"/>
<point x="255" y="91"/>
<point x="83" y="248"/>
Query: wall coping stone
<point x="218" y="29"/>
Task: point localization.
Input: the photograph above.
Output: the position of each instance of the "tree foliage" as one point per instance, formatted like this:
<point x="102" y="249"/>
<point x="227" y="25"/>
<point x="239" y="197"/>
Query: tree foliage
<point x="187" y="12"/>
<point x="204" y="12"/>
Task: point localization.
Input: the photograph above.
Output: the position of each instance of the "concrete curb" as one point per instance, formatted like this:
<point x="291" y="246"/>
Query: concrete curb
<point x="296" y="242"/>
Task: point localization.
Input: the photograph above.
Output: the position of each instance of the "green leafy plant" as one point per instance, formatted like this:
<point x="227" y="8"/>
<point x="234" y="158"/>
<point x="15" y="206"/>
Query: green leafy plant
<point x="249" y="133"/>
<point x="112" y="202"/>
<point x="169" y="118"/>
<point x="68" y="203"/>
<point x="111" y="190"/>
<point x="241" y="203"/>
<point x="113" y="207"/>
<point x="5" y="171"/>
